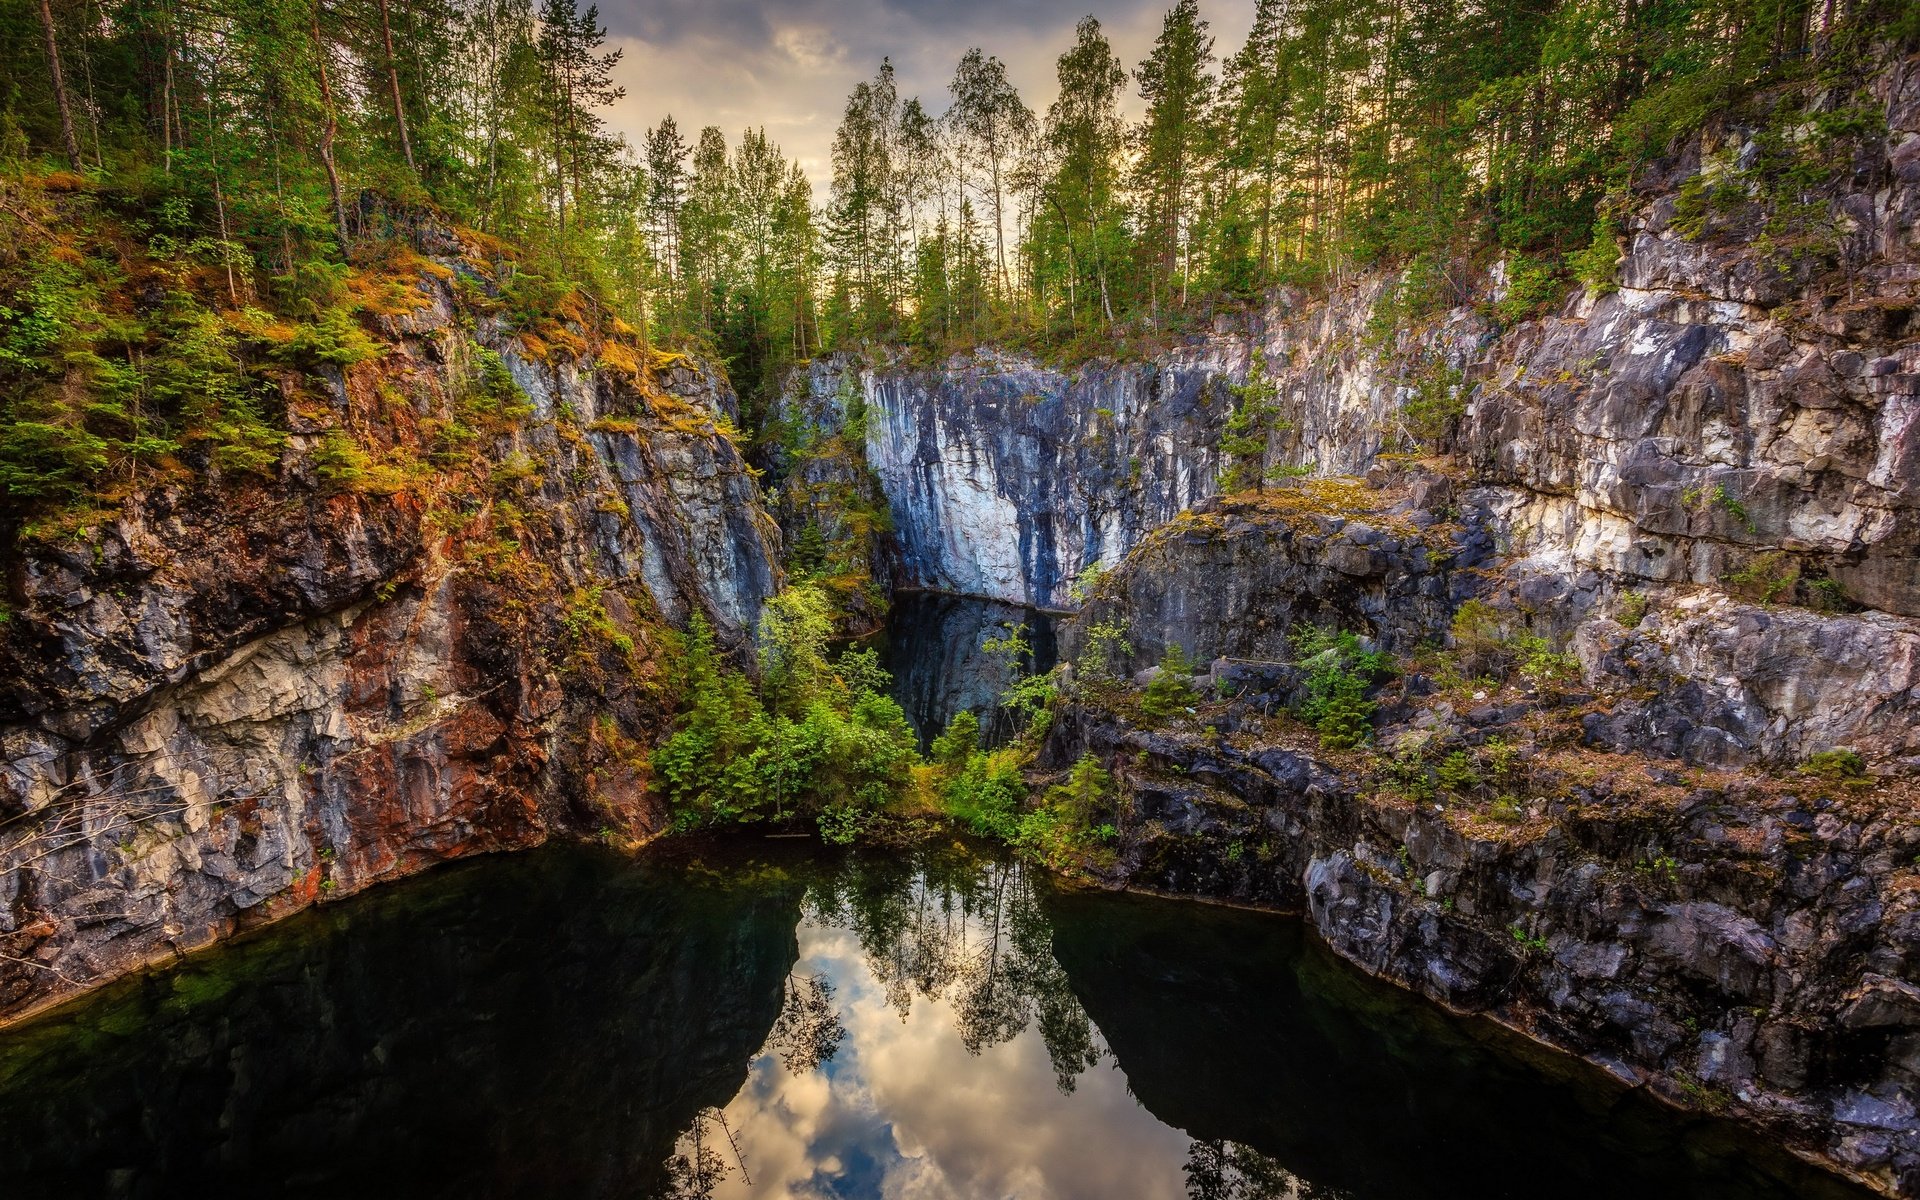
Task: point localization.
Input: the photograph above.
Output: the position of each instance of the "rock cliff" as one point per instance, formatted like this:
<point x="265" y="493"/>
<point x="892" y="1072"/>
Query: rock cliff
<point x="1643" y="783"/>
<point x="436" y="631"/>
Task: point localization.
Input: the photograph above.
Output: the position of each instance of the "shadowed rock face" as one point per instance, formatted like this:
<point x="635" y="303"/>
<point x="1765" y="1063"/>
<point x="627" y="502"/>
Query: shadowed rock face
<point x="934" y="648"/>
<point x="1730" y="946"/>
<point x="1356" y="1089"/>
<point x="541" y="1027"/>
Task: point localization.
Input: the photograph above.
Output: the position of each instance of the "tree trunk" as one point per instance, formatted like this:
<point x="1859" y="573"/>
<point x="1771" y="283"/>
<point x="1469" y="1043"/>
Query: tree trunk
<point x="69" y="142"/>
<point x="328" y="132"/>
<point x="393" y="88"/>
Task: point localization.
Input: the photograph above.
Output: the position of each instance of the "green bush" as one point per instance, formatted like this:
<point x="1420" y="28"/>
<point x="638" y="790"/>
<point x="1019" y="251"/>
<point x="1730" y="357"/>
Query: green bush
<point x="827" y="743"/>
<point x="985" y="796"/>
<point x="958" y="742"/>
<point x="1339" y="673"/>
<point x="1172" y="689"/>
<point x="1437" y="404"/>
<point x="339" y="461"/>
<point x="1533" y="286"/>
<point x="1840" y="763"/>
<point x="1104" y="654"/>
<point x="333" y="338"/>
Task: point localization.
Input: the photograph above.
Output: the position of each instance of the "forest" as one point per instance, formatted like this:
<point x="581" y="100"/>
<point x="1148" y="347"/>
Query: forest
<point x="259" y="150"/>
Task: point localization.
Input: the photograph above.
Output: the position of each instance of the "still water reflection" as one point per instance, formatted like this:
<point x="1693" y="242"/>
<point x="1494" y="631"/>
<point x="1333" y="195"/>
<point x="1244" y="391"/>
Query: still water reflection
<point x="719" y="1020"/>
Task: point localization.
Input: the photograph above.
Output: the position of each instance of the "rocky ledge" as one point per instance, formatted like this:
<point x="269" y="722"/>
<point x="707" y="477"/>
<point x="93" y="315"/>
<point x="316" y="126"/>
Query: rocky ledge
<point x="437" y="630"/>
<point x="1644" y="850"/>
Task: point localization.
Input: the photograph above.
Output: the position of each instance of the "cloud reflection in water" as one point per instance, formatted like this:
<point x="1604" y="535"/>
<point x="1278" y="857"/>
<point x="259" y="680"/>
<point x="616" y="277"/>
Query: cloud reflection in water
<point x="967" y="1069"/>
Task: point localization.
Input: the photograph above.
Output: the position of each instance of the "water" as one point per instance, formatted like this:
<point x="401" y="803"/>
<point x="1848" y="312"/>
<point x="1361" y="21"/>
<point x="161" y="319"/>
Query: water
<point x="934" y="646"/>
<point x="765" y="1019"/>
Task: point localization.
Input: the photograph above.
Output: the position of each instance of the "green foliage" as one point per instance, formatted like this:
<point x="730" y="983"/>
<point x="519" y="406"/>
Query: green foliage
<point x="1541" y="665"/>
<point x="1480" y="641"/>
<point x="827" y="743"/>
<point x="1087" y="582"/>
<point x="1458" y="775"/>
<point x="493" y="398"/>
<point x="1339" y="673"/>
<point x="1105" y="652"/>
<point x="1171" y="691"/>
<point x="1243" y="443"/>
<point x="1085" y="795"/>
<point x="1533" y="285"/>
<point x="958" y="742"/>
<point x="1598" y="264"/>
<point x="1437" y="403"/>
<point x="589" y="625"/>
<point x="333" y="339"/>
<point x="339" y="461"/>
<point x="985" y="795"/>
<point x="1766" y="577"/>
<point x="1839" y="764"/>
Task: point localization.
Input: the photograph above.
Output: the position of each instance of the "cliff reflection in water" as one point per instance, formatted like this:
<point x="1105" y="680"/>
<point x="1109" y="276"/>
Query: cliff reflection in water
<point x="970" y="1030"/>
<point x="540" y="1025"/>
<point x="764" y="1019"/>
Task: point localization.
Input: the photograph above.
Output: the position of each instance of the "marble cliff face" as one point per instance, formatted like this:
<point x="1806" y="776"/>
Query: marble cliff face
<point x="1703" y="483"/>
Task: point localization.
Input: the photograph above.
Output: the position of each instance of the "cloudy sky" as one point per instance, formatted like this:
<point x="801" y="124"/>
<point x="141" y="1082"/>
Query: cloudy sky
<point x="788" y="65"/>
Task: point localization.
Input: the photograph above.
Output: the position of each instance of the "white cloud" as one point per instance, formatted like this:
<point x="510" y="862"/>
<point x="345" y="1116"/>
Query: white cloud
<point x="905" y="1112"/>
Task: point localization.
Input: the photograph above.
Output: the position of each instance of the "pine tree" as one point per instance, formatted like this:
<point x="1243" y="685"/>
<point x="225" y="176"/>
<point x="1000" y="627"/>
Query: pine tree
<point x="996" y="125"/>
<point x="577" y="81"/>
<point x="1179" y="87"/>
<point x="1084" y="139"/>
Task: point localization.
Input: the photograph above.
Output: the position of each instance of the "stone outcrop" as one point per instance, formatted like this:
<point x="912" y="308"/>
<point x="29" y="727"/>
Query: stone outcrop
<point x="1723" y="436"/>
<point x="1743" y="947"/>
<point x="1654" y="800"/>
<point x="227" y="700"/>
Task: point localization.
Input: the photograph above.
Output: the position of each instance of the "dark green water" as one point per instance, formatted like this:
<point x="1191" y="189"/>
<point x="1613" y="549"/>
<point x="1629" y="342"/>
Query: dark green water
<point x="768" y="1020"/>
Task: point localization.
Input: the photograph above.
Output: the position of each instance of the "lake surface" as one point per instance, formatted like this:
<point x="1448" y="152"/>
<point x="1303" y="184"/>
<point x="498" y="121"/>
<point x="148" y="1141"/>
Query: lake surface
<point x="764" y="1018"/>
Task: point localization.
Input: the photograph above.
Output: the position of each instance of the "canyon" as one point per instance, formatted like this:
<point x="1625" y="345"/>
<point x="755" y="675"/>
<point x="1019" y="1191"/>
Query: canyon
<point x="1701" y="481"/>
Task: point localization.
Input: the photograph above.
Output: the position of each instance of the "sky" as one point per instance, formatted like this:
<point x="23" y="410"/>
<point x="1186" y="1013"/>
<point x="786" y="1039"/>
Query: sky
<point x="788" y="66"/>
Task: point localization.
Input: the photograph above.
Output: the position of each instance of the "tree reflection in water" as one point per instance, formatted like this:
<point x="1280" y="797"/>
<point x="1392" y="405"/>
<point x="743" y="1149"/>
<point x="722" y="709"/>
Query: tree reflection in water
<point x="969" y="932"/>
<point x="942" y="1019"/>
<point x="809" y="1029"/>
<point x="1218" y="1169"/>
<point x="946" y="937"/>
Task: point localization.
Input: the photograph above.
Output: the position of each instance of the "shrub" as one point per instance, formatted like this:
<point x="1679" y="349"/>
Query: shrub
<point x="1458" y="775"/>
<point x="985" y="796"/>
<point x="1172" y="689"/>
<point x="1106" y="651"/>
<point x="828" y="743"/>
<point x="340" y="462"/>
<point x="1339" y="672"/>
<point x="333" y="338"/>
<point x="1839" y="763"/>
<point x="1533" y="285"/>
<point x="1437" y="404"/>
<point x="1596" y="265"/>
<point x="1480" y="640"/>
<point x="958" y="742"/>
<point x="1541" y="665"/>
<point x="1084" y="795"/>
<point x="493" y="397"/>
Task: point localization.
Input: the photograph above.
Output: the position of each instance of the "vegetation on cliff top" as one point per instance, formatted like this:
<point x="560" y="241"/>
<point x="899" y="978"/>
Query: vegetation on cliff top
<point x="236" y="150"/>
